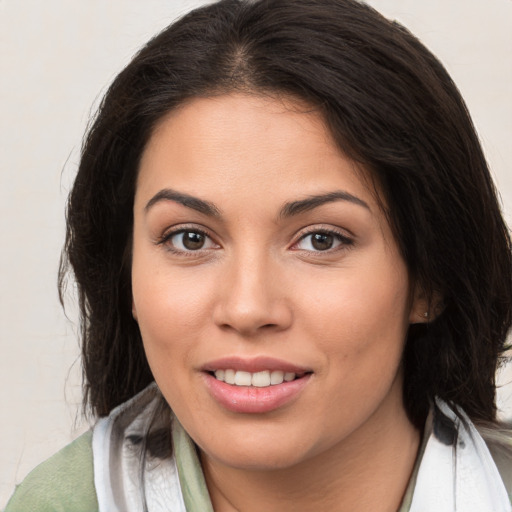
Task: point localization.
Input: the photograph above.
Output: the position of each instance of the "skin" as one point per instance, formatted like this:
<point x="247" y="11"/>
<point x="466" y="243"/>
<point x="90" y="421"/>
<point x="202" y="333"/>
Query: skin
<point x="258" y="287"/>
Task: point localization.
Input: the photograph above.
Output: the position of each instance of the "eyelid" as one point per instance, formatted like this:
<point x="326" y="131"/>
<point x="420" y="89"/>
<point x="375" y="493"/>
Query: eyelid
<point x="345" y="238"/>
<point x="342" y="235"/>
<point x="183" y="228"/>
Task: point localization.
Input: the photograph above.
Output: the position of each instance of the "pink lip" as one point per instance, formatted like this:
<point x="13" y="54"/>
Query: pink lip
<point x="249" y="399"/>
<point x="256" y="364"/>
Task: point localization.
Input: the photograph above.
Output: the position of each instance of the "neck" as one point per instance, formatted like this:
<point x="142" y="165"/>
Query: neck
<point x="368" y="471"/>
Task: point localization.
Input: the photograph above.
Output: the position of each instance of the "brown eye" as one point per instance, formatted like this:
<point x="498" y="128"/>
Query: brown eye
<point x="189" y="241"/>
<point x="192" y="240"/>
<point x="322" y="241"/>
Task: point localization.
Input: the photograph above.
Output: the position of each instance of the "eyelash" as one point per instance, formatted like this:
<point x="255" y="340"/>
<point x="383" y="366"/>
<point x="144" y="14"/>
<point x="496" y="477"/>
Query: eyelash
<point x="344" y="241"/>
<point x="166" y="238"/>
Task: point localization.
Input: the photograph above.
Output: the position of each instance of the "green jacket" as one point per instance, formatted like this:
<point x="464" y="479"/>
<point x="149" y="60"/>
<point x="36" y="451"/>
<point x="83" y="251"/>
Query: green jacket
<point x="65" y="482"/>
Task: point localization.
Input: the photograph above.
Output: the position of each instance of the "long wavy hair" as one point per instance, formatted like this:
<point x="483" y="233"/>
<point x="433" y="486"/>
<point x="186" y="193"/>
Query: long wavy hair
<point x="389" y="104"/>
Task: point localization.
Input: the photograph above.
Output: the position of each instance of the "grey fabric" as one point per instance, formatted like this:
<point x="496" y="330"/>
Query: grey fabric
<point x="457" y="472"/>
<point x="134" y="469"/>
<point x="145" y="461"/>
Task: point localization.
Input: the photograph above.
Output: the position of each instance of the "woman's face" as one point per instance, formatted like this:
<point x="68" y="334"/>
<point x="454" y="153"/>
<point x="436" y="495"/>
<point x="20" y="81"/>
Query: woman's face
<point x="270" y="293"/>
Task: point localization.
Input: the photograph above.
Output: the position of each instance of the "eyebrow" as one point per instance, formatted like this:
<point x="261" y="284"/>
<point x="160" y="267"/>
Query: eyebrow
<point x="200" y="205"/>
<point x="311" y="202"/>
<point x="288" y="210"/>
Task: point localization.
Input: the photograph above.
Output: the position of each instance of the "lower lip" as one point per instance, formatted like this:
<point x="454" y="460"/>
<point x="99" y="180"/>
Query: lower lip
<point x="254" y="400"/>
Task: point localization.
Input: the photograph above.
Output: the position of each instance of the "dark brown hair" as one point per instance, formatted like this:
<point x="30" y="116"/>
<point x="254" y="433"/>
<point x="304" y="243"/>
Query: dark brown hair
<point x="390" y="105"/>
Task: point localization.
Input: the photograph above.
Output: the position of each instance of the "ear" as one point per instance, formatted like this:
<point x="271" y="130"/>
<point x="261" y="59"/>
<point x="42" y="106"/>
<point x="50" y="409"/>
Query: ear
<point x="424" y="310"/>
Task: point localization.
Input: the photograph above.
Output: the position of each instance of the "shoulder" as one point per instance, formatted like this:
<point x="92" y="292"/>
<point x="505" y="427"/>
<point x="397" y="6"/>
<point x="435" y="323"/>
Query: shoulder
<point x="499" y="442"/>
<point x="64" y="482"/>
<point x="503" y="459"/>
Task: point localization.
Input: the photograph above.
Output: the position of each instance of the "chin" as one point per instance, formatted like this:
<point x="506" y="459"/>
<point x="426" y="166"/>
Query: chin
<point x="258" y="447"/>
<point x="254" y="458"/>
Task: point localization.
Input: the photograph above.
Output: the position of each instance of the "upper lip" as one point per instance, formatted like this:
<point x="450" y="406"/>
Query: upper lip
<point x="253" y="365"/>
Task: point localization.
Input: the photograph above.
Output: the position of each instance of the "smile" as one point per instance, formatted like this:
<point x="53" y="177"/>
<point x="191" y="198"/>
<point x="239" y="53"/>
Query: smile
<point x="260" y="386"/>
<point x="261" y="379"/>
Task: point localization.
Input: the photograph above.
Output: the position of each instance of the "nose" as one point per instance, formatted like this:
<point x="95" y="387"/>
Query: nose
<point x="252" y="297"/>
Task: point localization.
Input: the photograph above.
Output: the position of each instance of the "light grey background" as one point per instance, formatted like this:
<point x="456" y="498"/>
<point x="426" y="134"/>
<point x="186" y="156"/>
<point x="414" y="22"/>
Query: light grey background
<point x="56" y="58"/>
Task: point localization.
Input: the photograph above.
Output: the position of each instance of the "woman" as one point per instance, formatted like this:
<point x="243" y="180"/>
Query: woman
<point x="293" y="272"/>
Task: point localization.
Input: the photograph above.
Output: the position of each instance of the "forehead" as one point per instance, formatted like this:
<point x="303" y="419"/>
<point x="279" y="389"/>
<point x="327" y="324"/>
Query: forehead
<point x="247" y="145"/>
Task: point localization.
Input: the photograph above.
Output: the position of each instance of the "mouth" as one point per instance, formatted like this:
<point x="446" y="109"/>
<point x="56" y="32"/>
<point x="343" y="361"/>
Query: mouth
<point x="260" y="379"/>
<point x="259" y="385"/>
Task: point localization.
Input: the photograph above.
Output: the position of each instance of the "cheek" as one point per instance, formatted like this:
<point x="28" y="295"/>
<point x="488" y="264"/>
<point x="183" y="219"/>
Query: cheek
<point x="360" y="324"/>
<point x="172" y="310"/>
<point x="171" y="319"/>
<point x="361" y="316"/>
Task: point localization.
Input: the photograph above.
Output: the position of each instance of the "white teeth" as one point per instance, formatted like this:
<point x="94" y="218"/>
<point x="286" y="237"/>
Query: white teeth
<point x="229" y="376"/>
<point x="261" y="379"/>
<point x="276" y="377"/>
<point x="242" y="378"/>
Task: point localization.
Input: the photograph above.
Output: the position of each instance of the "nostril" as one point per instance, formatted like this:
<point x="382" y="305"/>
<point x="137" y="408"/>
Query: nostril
<point x="251" y="315"/>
